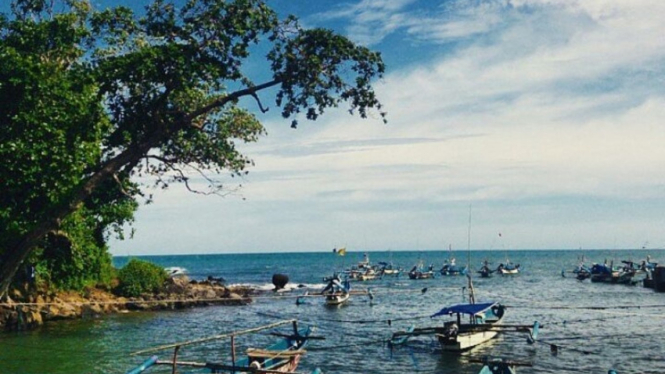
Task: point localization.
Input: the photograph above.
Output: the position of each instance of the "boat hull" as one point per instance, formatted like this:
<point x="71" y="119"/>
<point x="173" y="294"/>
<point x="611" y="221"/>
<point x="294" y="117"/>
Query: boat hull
<point x="337" y="299"/>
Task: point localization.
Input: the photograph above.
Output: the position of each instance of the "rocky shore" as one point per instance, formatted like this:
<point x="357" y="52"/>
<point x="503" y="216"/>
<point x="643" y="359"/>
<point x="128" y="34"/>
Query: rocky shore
<point x="29" y="309"/>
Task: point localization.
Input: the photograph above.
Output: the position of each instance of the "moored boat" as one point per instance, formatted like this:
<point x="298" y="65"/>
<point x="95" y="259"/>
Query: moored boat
<point x="496" y="365"/>
<point x="418" y="272"/>
<point x="450" y="267"/>
<point x="485" y="270"/>
<point x="281" y="357"/>
<point x="508" y="268"/>
<point x="337" y="292"/>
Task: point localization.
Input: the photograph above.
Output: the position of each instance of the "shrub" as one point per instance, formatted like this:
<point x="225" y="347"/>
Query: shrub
<point x="139" y="277"/>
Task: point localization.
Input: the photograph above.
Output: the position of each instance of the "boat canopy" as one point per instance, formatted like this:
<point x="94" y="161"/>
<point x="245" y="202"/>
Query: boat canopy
<point x="471" y="309"/>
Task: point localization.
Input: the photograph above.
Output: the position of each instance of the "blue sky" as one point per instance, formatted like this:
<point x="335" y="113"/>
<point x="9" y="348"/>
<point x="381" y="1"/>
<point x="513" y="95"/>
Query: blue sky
<point x="543" y="116"/>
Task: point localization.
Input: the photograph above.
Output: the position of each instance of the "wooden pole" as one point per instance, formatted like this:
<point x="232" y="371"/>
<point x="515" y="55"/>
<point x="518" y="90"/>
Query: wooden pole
<point x="233" y="350"/>
<point x="175" y="360"/>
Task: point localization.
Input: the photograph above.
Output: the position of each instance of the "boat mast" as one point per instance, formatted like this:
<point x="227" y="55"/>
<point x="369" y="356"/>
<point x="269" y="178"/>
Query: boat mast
<point x="472" y="296"/>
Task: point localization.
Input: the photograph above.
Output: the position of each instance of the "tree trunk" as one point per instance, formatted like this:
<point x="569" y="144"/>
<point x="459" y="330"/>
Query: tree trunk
<point x="16" y="254"/>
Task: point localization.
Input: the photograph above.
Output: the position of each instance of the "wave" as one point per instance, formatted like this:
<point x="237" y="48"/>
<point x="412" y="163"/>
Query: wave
<point x="287" y="288"/>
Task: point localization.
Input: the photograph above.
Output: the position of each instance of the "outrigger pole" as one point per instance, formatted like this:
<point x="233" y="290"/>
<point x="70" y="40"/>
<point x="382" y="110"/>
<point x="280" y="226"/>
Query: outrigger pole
<point x="216" y="337"/>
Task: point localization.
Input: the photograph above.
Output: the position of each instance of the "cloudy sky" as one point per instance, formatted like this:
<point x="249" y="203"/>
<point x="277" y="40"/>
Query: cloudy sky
<point x="543" y="119"/>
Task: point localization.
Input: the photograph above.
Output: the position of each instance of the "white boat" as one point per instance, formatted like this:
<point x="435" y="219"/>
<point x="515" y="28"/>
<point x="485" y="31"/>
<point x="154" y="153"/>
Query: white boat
<point x="481" y="327"/>
<point x="175" y="271"/>
<point x="336" y="292"/>
<point x="508" y="268"/>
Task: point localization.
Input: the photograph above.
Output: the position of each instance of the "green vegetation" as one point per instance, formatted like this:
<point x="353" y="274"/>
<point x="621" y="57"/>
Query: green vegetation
<point x="138" y="277"/>
<point x="89" y="100"/>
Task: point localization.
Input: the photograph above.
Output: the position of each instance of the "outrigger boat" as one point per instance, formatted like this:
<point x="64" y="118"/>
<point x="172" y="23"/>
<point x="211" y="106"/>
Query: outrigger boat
<point x="417" y="272"/>
<point x="280" y="357"/>
<point x="484" y="323"/>
<point x="495" y="365"/>
<point x="485" y="270"/>
<point x="508" y="268"/>
<point x="450" y="268"/>
<point x="337" y="292"/>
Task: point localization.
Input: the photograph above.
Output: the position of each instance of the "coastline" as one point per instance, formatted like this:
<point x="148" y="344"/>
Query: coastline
<point x="28" y="309"/>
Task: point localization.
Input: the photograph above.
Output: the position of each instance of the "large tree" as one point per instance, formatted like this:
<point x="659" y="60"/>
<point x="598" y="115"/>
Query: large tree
<point x="90" y="98"/>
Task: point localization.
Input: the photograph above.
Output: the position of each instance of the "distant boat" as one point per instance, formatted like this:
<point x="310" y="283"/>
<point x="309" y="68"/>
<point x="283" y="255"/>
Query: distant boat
<point x="281" y="357"/>
<point x="175" y="271"/>
<point x="508" y="268"/>
<point x="418" y="272"/>
<point x="485" y="270"/>
<point x="450" y="268"/>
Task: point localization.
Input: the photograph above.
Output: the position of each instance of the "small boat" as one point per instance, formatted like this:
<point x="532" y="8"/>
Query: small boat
<point x="495" y="365"/>
<point x="603" y="273"/>
<point x="485" y="270"/>
<point x="508" y="268"/>
<point x="450" y="268"/>
<point x="175" y="271"/>
<point x="281" y="357"/>
<point x="417" y="272"/>
<point x="386" y="268"/>
<point x="483" y="324"/>
<point x="337" y="292"/>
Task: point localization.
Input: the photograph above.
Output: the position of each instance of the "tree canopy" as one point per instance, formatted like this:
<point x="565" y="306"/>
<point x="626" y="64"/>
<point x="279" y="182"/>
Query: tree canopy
<point x="89" y="99"/>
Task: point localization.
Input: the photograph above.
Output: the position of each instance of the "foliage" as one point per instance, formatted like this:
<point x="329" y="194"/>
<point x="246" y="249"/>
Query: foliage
<point x="90" y="100"/>
<point x="138" y="277"/>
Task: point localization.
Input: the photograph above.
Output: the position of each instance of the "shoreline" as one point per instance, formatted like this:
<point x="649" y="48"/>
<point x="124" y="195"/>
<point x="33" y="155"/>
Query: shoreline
<point x="29" y="309"/>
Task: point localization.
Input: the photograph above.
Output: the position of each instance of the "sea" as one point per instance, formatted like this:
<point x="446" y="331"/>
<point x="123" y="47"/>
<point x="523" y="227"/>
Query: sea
<point x="586" y="327"/>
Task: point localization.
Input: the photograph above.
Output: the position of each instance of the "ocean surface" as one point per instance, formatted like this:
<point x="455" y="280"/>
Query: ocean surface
<point x="595" y="327"/>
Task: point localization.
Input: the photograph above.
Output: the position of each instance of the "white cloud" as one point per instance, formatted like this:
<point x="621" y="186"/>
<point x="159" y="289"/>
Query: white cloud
<point x="547" y="118"/>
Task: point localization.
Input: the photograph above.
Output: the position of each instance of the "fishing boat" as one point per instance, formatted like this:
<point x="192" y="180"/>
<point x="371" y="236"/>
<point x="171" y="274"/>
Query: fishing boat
<point x="418" y="272"/>
<point x="472" y="325"/>
<point x="281" y="357"/>
<point x="450" y="268"/>
<point x="495" y="365"/>
<point x="337" y="292"/>
<point x="485" y="270"/>
<point x="508" y="268"/>
<point x="175" y="271"/>
<point x="387" y="268"/>
<point x="604" y="273"/>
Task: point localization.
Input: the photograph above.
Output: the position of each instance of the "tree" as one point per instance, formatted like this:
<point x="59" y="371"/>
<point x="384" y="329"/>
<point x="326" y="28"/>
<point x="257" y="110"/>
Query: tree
<point x="123" y="95"/>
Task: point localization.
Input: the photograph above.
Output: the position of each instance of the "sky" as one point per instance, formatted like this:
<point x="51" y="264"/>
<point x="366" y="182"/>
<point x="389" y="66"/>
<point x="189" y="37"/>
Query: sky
<point x="540" y="120"/>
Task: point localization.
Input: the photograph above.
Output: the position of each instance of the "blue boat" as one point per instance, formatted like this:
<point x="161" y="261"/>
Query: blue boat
<point x="450" y="268"/>
<point x="495" y="365"/>
<point x="283" y="356"/>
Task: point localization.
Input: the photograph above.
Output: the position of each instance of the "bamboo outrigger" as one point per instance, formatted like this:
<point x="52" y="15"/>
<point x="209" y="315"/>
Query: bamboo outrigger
<point x="280" y="357"/>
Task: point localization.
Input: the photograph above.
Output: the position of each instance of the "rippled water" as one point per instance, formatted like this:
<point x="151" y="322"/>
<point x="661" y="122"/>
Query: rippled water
<point x="623" y="336"/>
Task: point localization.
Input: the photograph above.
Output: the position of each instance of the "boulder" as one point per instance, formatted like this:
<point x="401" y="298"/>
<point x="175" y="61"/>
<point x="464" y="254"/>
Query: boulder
<point x="280" y="281"/>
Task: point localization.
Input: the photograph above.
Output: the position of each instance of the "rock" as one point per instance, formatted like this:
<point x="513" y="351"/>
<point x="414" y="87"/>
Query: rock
<point x="280" y="281"/>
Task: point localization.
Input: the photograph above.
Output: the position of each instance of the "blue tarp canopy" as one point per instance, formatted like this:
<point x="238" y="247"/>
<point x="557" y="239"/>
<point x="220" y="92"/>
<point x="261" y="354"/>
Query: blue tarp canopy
<point x="472" y="309"/>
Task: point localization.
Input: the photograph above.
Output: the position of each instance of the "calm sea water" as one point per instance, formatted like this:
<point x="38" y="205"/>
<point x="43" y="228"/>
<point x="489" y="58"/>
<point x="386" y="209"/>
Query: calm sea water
<point x="627" y="336"/>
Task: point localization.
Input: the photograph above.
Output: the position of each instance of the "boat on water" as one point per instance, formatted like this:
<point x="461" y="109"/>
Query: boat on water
<point x="496" y="365"/>
<point x="281" y="357"/>
<point x="387" y="268"/>
<point x="337" y="292"/>
<point x="175" y="271"/>
<point x="485" y="270"/>
<point x="508" y="268"/>
<point x="472" y="324"/>
<point x="450" y="267"/>
<point x="604" y="273"/>
<point x="418" y="272"/>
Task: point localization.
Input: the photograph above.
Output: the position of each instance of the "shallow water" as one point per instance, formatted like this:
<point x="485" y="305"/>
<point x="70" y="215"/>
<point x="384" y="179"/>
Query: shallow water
<point x="624" y="337"/>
